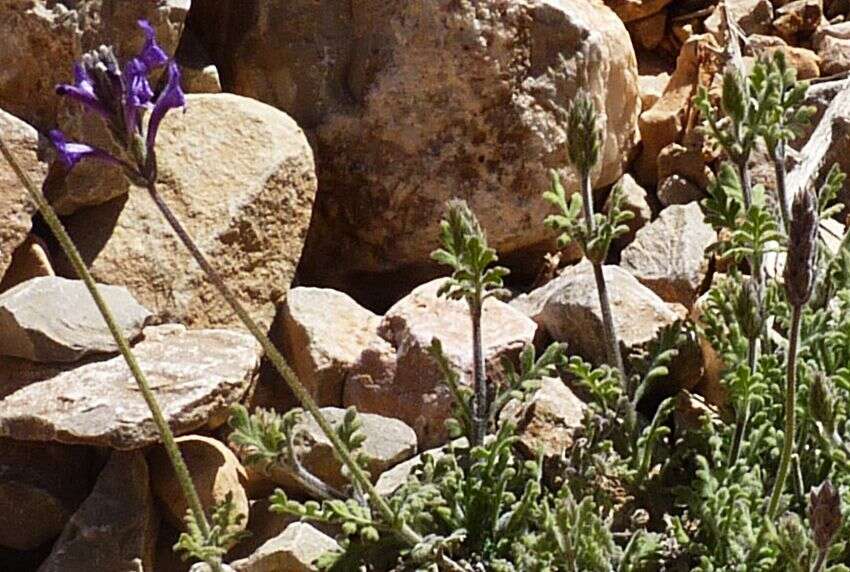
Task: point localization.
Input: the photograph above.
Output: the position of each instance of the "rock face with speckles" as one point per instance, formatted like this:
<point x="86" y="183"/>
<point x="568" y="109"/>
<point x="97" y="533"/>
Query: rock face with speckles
<point x="195" y="375"/>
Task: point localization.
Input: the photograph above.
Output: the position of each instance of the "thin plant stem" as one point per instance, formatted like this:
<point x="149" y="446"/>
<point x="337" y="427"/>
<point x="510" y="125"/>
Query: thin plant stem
<point x="479" y="404"/>
<point x="820" y="563"/>
<point x="165" y="433"/>
<point x="744" y="416"/>
<point x="279" y="362"/>
<point x="779" y="167"/>
<point x="790" y="413"/>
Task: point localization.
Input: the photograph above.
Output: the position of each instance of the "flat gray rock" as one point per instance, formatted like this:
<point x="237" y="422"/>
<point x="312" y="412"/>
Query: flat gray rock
<point x="52" y="319"/>
<point x="195" y="375"/>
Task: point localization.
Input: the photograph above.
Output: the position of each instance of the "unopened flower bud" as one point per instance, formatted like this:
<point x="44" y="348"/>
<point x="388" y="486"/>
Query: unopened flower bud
<point x="824" y="514"/>
<point x="822" y="402"/>
<point x="748" y="309"/>
<point x="802" y="249"/>
<point x="583" y="136"/>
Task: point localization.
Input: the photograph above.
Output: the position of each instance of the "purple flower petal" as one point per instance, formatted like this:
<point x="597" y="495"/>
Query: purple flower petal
<point x="83" y="91"/>
<point x="72" y="153"/>
<point x="172" y="96"/>
<point x="151" y="55"/>
<point x="138" y="92"/>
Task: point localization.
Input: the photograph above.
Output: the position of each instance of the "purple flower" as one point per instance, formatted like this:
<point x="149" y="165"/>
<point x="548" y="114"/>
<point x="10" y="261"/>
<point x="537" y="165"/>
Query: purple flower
<point x="171" y="97"/>
<point x="152" y="56"/>
<point x="72" y="153"/>
<point x="83" y="91"/>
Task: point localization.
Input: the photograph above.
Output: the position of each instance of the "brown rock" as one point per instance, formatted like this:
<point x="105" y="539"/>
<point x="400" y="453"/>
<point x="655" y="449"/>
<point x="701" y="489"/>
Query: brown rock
<point x="41" y="485"/>
<point x="324" y="332"/>
<point x="668" y="256"/>
<point x="116" y="526"/>
<point x="294" y="550"/>
<point x="806" y="62"/>
<point x="415" y="102"/>
<point x="40" y="40"/>
<point x="684" y="161"/>
<point x="215" y="470"/>
<point x="676" y="190"/>
<point x="16" y="209"/>
<point x="753" y="16"/>
<point x="832" y="44"/>
<point x="195" y="375"/>
<point x="263" y="525"/>
<point x="388" y="442"/>
<point x="629" y="10"/>
<point x="798" y="19"/>
<point x="240" y="176"/>
<point x="648" y="32"/>
<point x="53" y="319"/>
<point x="635" y="201"/>
<point x="30" y="260"/>
<point x="409" y="385"/>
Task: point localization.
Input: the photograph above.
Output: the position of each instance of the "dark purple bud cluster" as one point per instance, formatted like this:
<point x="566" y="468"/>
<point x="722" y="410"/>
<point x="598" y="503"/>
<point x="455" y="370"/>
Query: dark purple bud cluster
<point x="802" y="249"/>
<point x="122" y="96"/>
<point x="825" y="514"/>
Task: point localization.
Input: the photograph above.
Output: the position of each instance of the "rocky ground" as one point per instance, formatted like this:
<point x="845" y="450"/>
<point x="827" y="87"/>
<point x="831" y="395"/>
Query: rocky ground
<point x="319" y="144"/>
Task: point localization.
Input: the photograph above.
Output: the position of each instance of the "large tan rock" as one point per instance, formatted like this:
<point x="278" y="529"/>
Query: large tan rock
<point x="832" y="44"/>
<point x="240" y="176"/>
<point x="40" y="40"/>
<point x="668" y="256"/>
<point x="41" y="485"/>
<point x="294" y="550"/>
<point x="30" y="260"/>
<point x="324" y="332"/>
<point x="400" y="379"/>
<point x="16" y="209"/>
<point x="195" y="375"/>
<point x="635" y="201"/>
<point x="53" y="319"/>
<point x="414" y="102"/>
<point x="216" y="473"/>
<point x="116" y="526"/>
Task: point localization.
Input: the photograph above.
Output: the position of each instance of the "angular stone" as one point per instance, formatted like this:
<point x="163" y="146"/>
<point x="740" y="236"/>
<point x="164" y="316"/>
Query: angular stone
<point x="240" y="176"/>
<point x="29" y="260"/>
<point x="651" y="88"/>
<point x="16" y="209"/>
<point x="798" y="19"/>
<point x="629" y="10"/>
<point x="390" y="481"/>
<point x="753" y="16"/>
<point x="195" y="375"/>
<point x="635" y="201"/>
<point x="649" y="32"/>
<point x="668" y="255"/>
<point x="402" y="380"/>
<point x="547" y="423"/>
<point x="805" y="61"/>
<point x="388" y="442"/>
<point x="263" y="525"/>
<point x="414" y="102"/>
<point x="294" y="550"/>
<point x="684" y="161"/>
<point x="215" y="470"/>
<point x="676" y="190"/>
<point x="832" y="44"/>
<point x="41" y="485"/>
<point x="116" y="526"/>
<point x="53" y="319"/>
<point x="324" y="332"/>
<point x="41" y="39"/>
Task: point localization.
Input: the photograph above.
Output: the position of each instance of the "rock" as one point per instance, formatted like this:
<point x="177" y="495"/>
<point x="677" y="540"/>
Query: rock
<point x="41" y="39"/>
<point x="294" y="550"/>
<point x="649" y="32"/>
<point x="240" y="176"/>
<point x="547" y="423"/>
<point x="41" y="485"/>
<point x="16" y="209"/>
<point x="663" y="123"/>
<point x="819" y="96"/>
<point x="629" y="10"/>
<point x="195" y="375"/>
<point x="263" y="525"/>
<point x="199" y="72"/>
<point x="29" y="260"/>
<point x="53" y="319"/>
<point x="390" y="481"/>
<point x="116" y="526"/>
<point x="691" y="411"/>
<point x="668" y="255"/>
<point x="805" y="61"/>
<point x="203" y="80"/>
<point x="324" y="332"/>
<point x="388" y="442"/>
<point x="415" y="102"/>
<point x="215" y="471"/>
<point x="676" y="190"/>
<point x="753" y="16"/>
<point x="798" y="19"/>
<point x="635" y="201"/>
<point x="685" y="161"/>
<point x="567" y="309"/>
<point x="832" y="44"/>
<point x="651" y="88"/>
<point x="763" y="171"/>
<point x="401" y="379"/>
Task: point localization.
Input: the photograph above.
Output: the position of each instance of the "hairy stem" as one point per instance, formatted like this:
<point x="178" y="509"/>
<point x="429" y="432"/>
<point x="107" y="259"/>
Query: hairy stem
<point x="820" y="564"/>
<point x="778" y="157"/>
<point x="743" y="417"/>
<point x="790" y="413"/>
<point x="479" y="404"/>
<point x="404" y="532"/>
<point x="167" y="437"/>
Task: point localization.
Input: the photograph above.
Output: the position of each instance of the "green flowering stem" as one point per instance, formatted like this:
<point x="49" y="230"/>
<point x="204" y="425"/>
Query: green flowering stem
<point x="480" y="405"/>
<point x="171" y="449"/>
<point x="401" y="529"/>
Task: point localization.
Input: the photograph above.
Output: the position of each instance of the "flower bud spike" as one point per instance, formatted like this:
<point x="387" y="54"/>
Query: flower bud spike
<point x="802" y="249"/>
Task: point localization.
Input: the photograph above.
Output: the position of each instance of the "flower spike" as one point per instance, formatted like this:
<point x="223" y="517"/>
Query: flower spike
<point x="72" y="153"/>
<point x="171" y="97"/>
